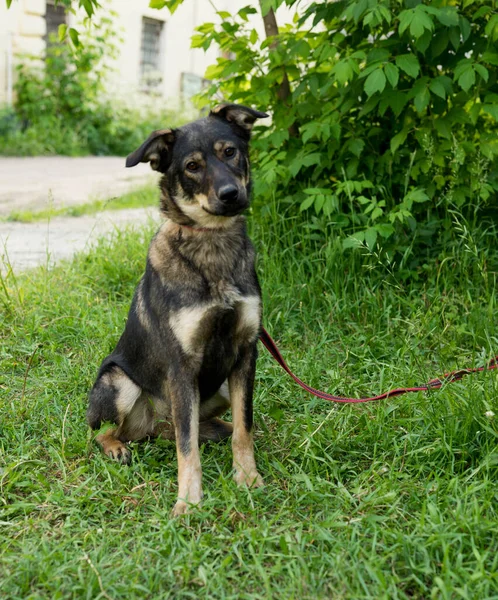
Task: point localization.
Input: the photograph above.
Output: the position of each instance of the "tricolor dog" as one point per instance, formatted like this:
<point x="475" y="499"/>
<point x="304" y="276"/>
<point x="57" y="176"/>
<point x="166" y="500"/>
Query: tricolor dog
<point x="188" y="350"/>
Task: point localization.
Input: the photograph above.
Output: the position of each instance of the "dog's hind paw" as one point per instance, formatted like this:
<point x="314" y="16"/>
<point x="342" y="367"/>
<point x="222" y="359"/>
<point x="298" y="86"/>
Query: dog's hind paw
<point x="250" y="479"/>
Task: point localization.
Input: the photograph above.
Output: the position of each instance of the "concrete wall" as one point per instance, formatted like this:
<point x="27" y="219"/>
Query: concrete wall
<point x="22" y="28"/>
<point x="21" y="32"/>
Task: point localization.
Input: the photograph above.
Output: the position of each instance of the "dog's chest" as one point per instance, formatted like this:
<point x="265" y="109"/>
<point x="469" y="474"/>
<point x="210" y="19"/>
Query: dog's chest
<point x="228" y="318"/>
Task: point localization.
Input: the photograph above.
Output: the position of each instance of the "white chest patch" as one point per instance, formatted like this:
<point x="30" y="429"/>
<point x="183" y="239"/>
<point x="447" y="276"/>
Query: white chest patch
<point x="185" y="325"/>
<point x="186" y="322"/>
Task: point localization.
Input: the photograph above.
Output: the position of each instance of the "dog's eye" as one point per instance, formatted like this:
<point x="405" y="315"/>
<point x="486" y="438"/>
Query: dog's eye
<point x="229" y="152"/>
<point x="192" y="166"/>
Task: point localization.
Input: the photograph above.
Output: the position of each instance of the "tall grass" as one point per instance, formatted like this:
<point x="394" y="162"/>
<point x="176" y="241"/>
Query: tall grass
<point x="391" y="500"/>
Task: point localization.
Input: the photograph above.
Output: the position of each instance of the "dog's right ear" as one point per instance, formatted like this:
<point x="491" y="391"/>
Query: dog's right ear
<point x="153" y="149"/>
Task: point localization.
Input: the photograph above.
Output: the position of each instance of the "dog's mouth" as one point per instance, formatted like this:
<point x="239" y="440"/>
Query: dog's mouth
<point x="227" y="211"/>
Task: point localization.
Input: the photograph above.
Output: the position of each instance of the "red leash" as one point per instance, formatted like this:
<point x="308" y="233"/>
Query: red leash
<point x="433" y="384"/>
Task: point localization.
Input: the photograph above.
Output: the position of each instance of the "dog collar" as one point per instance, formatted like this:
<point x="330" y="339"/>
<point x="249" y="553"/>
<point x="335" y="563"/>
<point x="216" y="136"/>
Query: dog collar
<point x="197" y="228"/>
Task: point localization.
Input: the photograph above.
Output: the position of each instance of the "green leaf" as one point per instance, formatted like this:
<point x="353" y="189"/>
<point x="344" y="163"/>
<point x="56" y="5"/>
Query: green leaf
<point x="420" y="22"/>
<point x="267" y="5"/>
<point x="483" y="72"/>
<point x="306" y="203"/>
<point x="424" y="41"/>
<point x="253" y="38"/>
<point x="62" y="32"/>
<point x="422" y="99"/>
<point x="490" y="57"/>
<point x="356" y="147"/>
<point x="443" y="128"/>
<point x="354" y="241"/>
<point x="74" y="35"/>
<point x="405" y="18"/>
<point x="462" y="66"/>
<point x="398" y="139"/>
<point x="439" y="43"/>
<point x="465" y="28"/>
<point x="491" y="109"/>
<point x="342" y="71"/>
<point x="371" y="237"/>
<point x="88" y="5"/>
<point x="171" y="5"/>
<point x="448" y="16"/>
<point x="436" y="86"/>
<point x="416" y="195"/>
<point x="491" y="29"/>
<point x="9" y="2"/>
<point x="315" y="191"/>
<point x="392" y="74"/>
<point x="385" y="229"/>
<point x="397" y="101"/>
<point x="467" y="79"/>
<point x="375" y="82"/>
<point x="409" y="64"/>
<point x="454" y="34"/>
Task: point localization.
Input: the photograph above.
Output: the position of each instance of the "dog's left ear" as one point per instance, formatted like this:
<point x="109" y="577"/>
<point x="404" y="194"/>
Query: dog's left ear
<point x="242" y="116"/>
<point x="153" y="149"/>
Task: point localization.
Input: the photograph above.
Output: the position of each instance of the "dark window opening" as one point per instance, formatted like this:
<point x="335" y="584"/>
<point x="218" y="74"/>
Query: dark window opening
<point x="54" y="16"/>
<point x="150" y="52"/>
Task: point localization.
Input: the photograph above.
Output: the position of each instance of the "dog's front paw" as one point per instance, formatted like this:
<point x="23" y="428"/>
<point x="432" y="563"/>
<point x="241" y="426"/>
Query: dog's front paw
<point x="114" y="448"/>
<point x="181" y="507"/>
<point x="249" y="478"/>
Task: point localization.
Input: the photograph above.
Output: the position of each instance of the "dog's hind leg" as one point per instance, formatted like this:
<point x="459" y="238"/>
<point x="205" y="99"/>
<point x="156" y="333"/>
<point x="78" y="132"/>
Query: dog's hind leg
<point x="210" y="427"/>
<point x="113" y="399"/>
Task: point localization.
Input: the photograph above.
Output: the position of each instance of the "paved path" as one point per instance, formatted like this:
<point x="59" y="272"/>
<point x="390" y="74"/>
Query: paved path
<point x="26" y="245"/>
<point x="36" y="183"/>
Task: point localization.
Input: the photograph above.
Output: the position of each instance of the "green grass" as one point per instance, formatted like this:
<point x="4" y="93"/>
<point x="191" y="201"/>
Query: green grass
<point x="146" y="196"/>
<point x="391" y="500"/>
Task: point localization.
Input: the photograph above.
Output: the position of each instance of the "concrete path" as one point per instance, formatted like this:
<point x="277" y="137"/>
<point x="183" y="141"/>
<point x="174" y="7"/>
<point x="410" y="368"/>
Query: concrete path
<point x="35" y="183"/>
<point x="26" y="245"/>
<point x="40" y="182"/>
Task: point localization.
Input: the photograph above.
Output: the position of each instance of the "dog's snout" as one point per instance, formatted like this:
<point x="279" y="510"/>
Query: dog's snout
<point x="228" y="193"/>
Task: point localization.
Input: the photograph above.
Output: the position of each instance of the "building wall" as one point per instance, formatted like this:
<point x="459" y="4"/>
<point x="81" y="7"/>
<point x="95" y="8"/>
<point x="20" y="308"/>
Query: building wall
<point x="21" y="32"/>
<point x="22" y="28"/>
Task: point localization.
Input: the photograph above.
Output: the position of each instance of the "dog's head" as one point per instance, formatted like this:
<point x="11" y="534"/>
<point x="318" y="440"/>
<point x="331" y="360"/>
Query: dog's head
<point x="205" y="165"/>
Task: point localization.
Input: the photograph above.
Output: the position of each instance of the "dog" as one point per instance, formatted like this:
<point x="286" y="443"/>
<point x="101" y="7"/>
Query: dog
<point x="188" y="350"/>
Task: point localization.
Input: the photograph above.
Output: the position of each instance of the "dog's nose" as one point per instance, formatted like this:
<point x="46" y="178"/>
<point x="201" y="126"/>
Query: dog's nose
<point x="228" y="193"/>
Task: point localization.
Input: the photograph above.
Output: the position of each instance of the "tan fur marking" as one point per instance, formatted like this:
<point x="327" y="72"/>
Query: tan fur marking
<point x="142" y="314"/>
<point x="197" y="213"/>
<point x="249" y="317"/>
<point x="185" y="324"/>
<point x="244" y="463"/>
<point x="189" y="469"/>
<point x="128" y="392"/>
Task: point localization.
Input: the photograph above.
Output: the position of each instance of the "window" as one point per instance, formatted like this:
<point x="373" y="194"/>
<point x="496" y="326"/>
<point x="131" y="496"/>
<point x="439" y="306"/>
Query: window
<point x="150" y="53"/>
<point x="54" y="16"/>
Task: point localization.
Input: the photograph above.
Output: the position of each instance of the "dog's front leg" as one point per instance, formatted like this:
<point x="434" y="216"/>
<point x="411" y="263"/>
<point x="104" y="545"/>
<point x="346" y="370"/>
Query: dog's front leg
<point x="184" y="394"/>
<point x="241" y="385"/>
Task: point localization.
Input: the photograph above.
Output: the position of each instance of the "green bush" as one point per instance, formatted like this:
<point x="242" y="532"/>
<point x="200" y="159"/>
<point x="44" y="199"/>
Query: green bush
<point x="389" y="123"/>
<point x="61" y="107"/>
